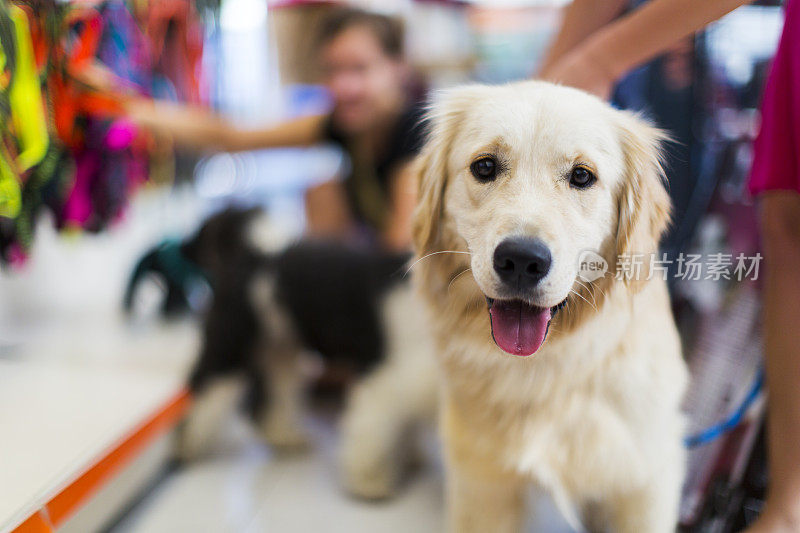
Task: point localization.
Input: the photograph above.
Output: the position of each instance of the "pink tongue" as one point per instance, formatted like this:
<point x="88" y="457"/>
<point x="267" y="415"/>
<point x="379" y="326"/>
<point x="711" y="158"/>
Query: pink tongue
<point x="518" y="328"/>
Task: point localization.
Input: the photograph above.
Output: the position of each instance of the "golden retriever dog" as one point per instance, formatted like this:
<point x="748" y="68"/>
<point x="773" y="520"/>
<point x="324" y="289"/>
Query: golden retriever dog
<point x="548" y="378"/>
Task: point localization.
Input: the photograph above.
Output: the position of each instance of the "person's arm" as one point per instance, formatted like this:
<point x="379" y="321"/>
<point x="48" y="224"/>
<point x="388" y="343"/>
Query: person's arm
<point x="581" y="19"/>
<point x="780" y="231"/>
<point x="327" y="211"/>
<point x="403" y="195"/>
<point x="198" y="128"/>
<point x="610" y="52"/>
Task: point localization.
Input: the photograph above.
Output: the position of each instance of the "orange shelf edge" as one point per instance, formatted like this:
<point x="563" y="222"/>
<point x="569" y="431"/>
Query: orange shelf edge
<point x="68" y="500"/>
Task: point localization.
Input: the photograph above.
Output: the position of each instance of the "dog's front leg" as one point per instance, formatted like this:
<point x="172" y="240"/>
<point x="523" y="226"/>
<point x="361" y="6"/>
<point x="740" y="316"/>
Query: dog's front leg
<point x="653" y="507"/>
<point x="213" y="403"/>
<point x="378" y="426"/>
<point x="482" y="501"/>
<point x="481" y="495"/>
<point x="282" y="425"/>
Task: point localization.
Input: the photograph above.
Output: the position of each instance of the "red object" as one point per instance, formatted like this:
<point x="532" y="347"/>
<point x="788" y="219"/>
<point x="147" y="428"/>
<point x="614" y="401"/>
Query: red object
<point x="73" y="54"/>
<point x="776" y="166"/>
<point x="176" y="39"/>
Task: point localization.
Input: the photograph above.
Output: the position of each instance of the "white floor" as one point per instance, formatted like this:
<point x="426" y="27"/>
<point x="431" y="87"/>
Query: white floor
<point x="241" y="487"/>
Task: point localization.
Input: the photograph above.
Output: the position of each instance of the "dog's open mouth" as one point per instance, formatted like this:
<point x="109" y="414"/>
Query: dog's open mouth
<point x="518" y="327"/>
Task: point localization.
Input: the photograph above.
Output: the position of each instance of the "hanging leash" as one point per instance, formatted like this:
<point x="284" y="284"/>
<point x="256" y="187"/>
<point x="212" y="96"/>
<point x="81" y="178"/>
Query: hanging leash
<point x="729" y="423"/>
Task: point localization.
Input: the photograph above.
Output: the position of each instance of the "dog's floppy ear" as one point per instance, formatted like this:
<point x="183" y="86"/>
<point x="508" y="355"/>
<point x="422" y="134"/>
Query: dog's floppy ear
<point x="442" y="120"/>
<point x="644" y="205"/>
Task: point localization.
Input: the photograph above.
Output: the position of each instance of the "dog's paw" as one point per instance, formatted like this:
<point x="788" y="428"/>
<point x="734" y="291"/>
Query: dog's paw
<point x="369" y="479"/>
<point x="188" y="445"/>
<point x="285" y="438"/>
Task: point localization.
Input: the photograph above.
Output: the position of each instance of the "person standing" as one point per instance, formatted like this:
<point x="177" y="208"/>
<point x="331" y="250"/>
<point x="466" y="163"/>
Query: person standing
<point x="775" y="181"/>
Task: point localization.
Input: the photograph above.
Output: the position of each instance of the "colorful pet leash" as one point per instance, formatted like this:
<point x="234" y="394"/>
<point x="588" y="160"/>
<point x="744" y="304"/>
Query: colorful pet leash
<point x="21" y="110"/>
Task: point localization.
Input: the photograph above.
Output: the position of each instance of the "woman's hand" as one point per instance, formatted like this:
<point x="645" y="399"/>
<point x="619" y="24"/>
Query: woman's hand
<point x="582" y="69"/>
<point x="604" y="55"/>
<point x="157" y="116"/>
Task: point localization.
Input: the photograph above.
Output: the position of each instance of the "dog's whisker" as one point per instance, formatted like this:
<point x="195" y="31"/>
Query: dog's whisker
<point x="599" y="289"/>
<point x="434" y="253"/>
<point x="456" y="277"/>
<point x="594" y="287"/>
<point x="583" y="285"/>
<point x="579" y="295"/>
<point x="588" y="287"/>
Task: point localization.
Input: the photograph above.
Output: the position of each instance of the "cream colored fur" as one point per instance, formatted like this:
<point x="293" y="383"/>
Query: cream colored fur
<point x="593" y="416"/>
<point x="387" y="408"/>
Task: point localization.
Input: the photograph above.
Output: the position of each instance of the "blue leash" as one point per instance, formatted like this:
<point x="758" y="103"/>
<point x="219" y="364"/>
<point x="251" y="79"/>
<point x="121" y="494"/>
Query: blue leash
<point x="713" y="432"/>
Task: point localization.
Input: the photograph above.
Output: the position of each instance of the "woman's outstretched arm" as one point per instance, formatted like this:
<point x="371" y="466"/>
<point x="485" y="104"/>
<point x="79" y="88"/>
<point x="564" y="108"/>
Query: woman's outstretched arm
<point x="199" y="128"/>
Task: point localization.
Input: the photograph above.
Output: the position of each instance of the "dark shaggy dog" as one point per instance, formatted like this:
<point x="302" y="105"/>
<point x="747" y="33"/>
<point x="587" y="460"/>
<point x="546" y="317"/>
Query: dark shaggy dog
<point x="352" y="306"/>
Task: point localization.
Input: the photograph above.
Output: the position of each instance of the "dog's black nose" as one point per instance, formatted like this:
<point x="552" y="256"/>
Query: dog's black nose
<point x="522" y="262"/>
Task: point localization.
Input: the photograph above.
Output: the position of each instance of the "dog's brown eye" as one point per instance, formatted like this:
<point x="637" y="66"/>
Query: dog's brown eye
<point x="581" y="178"/>
<point x="484" y="169"/>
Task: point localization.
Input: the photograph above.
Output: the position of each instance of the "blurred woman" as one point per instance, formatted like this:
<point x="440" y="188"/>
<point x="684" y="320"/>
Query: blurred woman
<point x="372" y="119"/>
